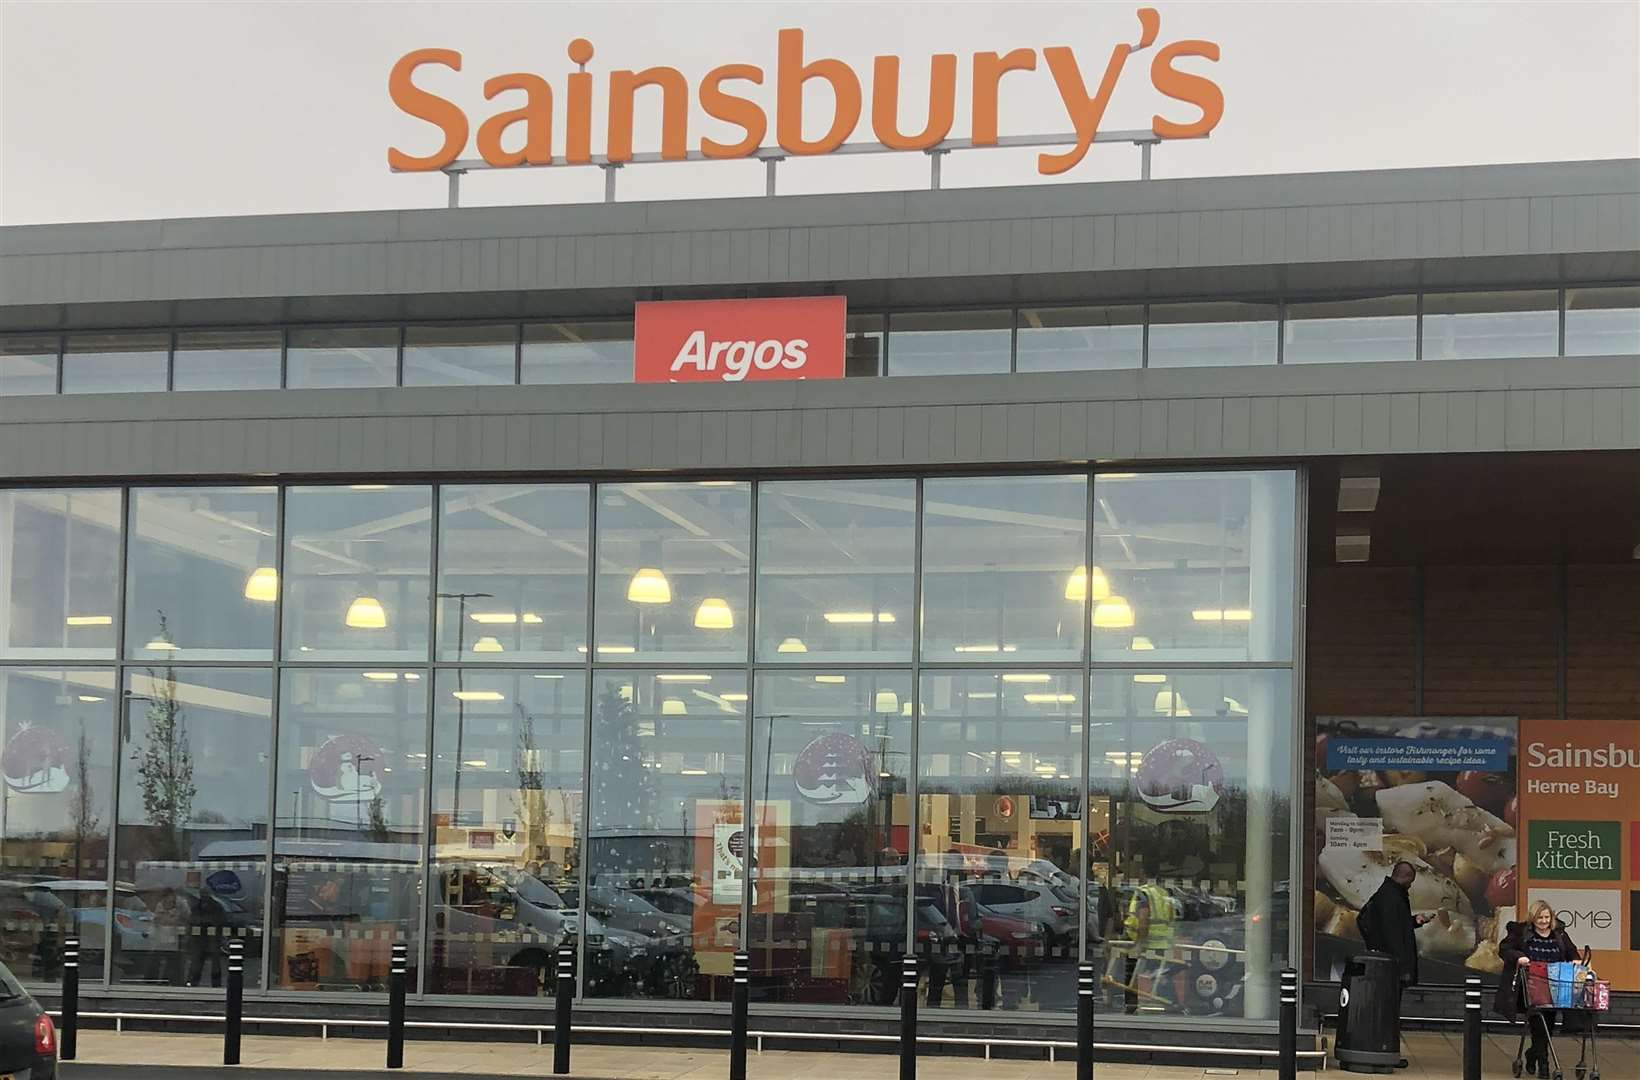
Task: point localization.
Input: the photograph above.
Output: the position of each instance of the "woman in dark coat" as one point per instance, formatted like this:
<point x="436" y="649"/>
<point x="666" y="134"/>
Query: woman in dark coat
<point x="1541" y="937"/>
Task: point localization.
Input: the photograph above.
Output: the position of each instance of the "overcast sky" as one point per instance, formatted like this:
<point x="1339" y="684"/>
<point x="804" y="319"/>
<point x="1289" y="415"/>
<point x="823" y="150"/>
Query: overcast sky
<point x="143" y="110"/>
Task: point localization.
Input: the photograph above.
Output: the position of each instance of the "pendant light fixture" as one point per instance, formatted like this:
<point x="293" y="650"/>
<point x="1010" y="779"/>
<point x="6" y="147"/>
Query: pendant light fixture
<point x="649" y="585"/>
<point x="714" y="613"/>
<point x="263" y="585"/>
<point x="1084" y="583"/>
<point x="161" y="643"/>
<point x="487" y="644"/>
<point x="887" y="701"/>
<point x="1113" y="613"/>
<point x="366" y="613"/>
<point x="792" y="644"/>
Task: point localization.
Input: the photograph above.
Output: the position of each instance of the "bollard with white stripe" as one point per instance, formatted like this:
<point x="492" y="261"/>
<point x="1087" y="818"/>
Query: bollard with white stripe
<point x="908" y="1019"/>
<point x="396" y="972"/>
<point x="236" y="1002"/>
<point x="68" y="1039"/>
<point x="742" y="1003"/>
<point x="1288" y="1047"/>
<point x="1472" y="1028"/>
<point x="561" y="1013"/>
<point x="1084" y="1021"/>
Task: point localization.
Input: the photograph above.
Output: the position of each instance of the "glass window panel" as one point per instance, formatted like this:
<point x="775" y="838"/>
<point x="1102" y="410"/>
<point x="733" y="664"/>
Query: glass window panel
<point x="949" y="342"/>
<point x="1193" y="566"/>
<point x="1001" y="557"/>
<point x="201" y="574"/>
<point x="672" y="570"/>
<point x="59" y="572"/>
<point x="836" y="567"/>
<point x="1599" y="322"/>
<point x="351" y="794"/>
<point x="999" y="796"/>
<point x="512" y="579"/>
<point x="1081" y="338"/>
<point x="1194" y="770"/>
<point x="28" y="365"/>
<point x="356" y="568"/>
<point x="831" y="753"/>
<point x="1351" y="331"/>
<point x="664" y="876"/>
<point x="1223" y="334"/>
<point x="460" y="355"/>
<point x="578" y="352"/>
<point x="1484" y="326"/>
<point x="115" y="363"/>
<point x="508" y="751"/>
<point x="193" y="826"/>
<point x="863" y="352"/>
<point x="342" y="357"/>
<point x="55" y="793"/>
<point x="226" y="360"/>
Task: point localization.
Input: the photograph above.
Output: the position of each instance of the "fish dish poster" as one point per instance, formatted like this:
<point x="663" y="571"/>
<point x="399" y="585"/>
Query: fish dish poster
<point x="1438" y="792"/>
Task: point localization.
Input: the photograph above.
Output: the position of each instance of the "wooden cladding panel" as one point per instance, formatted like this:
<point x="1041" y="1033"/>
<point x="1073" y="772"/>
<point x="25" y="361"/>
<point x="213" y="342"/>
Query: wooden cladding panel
<point x="1361" y="648"/>
<point x="1492" y="641"/>
<point x="1603" y="642"/>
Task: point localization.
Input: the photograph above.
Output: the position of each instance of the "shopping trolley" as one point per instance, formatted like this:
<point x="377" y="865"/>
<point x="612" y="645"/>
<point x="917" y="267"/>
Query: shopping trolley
<point x="1588" y="996"/>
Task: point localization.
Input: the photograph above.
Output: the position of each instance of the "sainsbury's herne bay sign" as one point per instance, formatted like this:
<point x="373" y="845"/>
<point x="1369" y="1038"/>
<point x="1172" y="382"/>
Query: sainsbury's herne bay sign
<point x="522" y="130"/>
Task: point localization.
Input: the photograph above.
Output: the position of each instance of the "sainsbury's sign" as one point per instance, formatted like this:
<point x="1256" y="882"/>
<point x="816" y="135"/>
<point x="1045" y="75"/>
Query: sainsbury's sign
<point x="739" y="340"/>
<point x="532" y="111"/>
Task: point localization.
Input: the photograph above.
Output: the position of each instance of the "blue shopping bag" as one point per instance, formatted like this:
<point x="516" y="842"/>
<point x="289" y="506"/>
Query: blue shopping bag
<point x="1564" y="978"/>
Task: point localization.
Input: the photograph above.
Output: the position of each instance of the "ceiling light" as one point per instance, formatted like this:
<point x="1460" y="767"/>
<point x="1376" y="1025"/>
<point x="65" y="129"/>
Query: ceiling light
<point x="1114" y="476"/>
<point x="683" y="677"/>
<point x="1047" y="769"/>
<point x="365" y="613"/>
<point x="733" y="697"/>
<point x="531" y="619"/>
<point x="1171" y="701"/>
<point x="1150" y="678"/>
<point x="478" y="695"/>
<point x="905" y="708"/>
<point x="263" y="585"/>
<point x="831" y="678"/>
<point x="90" y="620"/>
<point x="161" y="643"/>
<point x="674" y="706"/>
<point x="487" y="644"/>
<point x="792" y="644"/>
<point x="382" y="676"/>
<point x="1357" y="494"/>
<point x="714" y="614"/>
<point x="613" y="650"/>
<point x="1143" y="644"/>
<point x="649" y="586"/>
<point x="1027" y="676"/>
<point x="691" y="772"/>
<point x="852" y="617"/>
<point x="1078" y="584"/>
<point x="888" y="701"/>
<point x="984" y="648"/>
<point x="1233" y="706"/>
<point x="1224" y="615"/>
<point x="981" y="695"/>
<point x="90" y="698"/>
<point x="368" y="487"/>
<point x="494" y="618"/>
<point x="1050" y="699"/>
<point x="476" y="763"/>
<point x="549" y="676"/>
<point x="412" y="676"/>
<point x="1113" y="613"/>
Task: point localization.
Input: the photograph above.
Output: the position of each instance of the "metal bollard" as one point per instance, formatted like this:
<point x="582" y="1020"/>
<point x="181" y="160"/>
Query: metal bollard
<point x="1288" y="1048"/>
<point x="68" y="1039"/>
<point x="395" y="1005"/>
<point x="1472" y="1028"/>
<point x="236" y="1001"/>
<point x="1084" y="1021"/>
<point x="742" y="1004"/>
<point x="908" y="1019"/>
<point x="561" y="1014"/>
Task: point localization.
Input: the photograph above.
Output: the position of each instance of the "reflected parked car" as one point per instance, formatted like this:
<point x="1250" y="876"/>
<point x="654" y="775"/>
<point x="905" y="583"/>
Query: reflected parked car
<point x="135" y="937"/>
<point x="33" y="921"/>
<point x="1052" y="907"/>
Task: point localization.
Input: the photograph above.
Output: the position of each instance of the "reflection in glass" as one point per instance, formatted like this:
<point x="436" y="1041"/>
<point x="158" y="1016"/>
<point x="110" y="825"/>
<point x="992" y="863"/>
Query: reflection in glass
<point x="585" y="352"/>
<point x="1351" y="331"/>
<point x="226" y="360"/>
<point x="55" y="793"/>
<point x="28" y="365"/>
<point x="999" y="796"/>
<point x="195" y="750"/>
<point x="1599" y="322"/>
<point x="115" y="363"/>
<point x="830" y="759"/>
<point x="356" y="567"/>
<point x="863" y="351"/>
<point x="460" y="355"/>
<point x="664" y="864"/>
<point x="1221" y="334"/>
<point x="1485" y="326"/>
<point x="201" y="574"/>
<point x="508" y="750"/>
<point x="1001" y="557"/>
<point x="1081" y="338"/>
<point x="59" y="572"/>
<point x="835" y="569"/>
<point x="350" y="798"/>
<point x="949" y="342"/>
<point x="343" y="356"/>
<point x="673" y="563"/>
<point x="512" y="581"/>
<point x="1197" y="766"/>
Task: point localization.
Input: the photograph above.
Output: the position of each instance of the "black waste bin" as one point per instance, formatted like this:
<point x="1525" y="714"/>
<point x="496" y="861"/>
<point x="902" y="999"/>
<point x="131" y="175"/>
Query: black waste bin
<point x="1369" y="1038"/>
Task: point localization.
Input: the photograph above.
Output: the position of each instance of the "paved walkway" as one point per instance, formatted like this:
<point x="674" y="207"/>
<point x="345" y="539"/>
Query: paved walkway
<point x="1434" y="1056"/>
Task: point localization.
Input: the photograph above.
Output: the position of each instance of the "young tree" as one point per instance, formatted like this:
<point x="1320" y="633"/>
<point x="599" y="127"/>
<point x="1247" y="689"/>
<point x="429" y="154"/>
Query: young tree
<point x="165" y="765"/>
<point x="84" y="808"/>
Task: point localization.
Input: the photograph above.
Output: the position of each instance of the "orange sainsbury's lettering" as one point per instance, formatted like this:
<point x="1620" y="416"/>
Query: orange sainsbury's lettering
<point x="752" y="118"/>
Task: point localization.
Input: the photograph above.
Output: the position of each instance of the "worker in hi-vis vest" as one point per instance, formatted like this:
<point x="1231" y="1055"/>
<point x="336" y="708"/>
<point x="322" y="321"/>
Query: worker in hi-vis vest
<point x="1148" y="927"/>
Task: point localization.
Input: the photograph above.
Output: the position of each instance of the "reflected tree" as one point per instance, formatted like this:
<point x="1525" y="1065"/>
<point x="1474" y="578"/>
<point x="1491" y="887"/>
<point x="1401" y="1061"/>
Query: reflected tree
<point x="165" y="765"/>
<point x="83" y="813"/>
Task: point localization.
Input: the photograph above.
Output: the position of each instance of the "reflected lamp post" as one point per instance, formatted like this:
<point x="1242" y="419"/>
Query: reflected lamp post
<point x="461" y="599"/>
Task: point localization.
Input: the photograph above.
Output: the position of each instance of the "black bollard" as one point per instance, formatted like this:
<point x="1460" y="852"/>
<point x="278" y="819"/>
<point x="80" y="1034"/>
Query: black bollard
<point x="1288" y="1061"/>
<point x="742" y="1003"/>
<point x="236" y="1001"/>
<point x="908" y="1019"/>
<point x="68" y="1039"/>
<point x="1084" y="1022"/>
<point x="1472" y="1028"/>
<point x="395" y="1005"/>
<point x="561" y="1015"/>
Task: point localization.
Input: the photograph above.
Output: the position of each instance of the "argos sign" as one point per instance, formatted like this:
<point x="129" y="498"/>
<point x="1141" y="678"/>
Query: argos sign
<point x="739" y="340"/>
<point x="522" y="133"/>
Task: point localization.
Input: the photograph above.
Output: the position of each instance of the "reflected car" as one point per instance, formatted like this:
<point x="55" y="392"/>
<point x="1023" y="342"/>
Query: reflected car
<point x="135" y="939"/>
<point x="28" y="1039"/>
<point x="33" y="921"/>
<point x="1052" y="907"/>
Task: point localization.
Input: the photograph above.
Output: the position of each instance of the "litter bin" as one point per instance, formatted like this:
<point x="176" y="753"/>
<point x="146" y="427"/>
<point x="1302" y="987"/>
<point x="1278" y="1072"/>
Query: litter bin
<point x="1369" y="1038"/>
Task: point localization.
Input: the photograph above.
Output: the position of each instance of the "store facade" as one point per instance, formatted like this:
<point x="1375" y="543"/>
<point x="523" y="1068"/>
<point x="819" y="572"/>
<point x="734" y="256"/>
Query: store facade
<point x="348" y="596"/>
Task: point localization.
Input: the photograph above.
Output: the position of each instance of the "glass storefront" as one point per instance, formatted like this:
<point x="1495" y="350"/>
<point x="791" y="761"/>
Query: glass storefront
<point x="1002" y="724"/>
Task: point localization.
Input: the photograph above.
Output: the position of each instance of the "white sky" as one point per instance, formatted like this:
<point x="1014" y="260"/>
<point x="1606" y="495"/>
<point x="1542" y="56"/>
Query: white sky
<point x="142" y="110"/>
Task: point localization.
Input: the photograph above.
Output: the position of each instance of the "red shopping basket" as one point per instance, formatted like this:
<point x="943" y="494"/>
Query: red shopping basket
<point x="1536" y="986"/>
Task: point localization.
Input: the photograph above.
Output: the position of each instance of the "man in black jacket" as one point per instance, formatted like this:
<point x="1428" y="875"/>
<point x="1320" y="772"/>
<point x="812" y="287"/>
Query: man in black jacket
<point x="1388" y="925"/>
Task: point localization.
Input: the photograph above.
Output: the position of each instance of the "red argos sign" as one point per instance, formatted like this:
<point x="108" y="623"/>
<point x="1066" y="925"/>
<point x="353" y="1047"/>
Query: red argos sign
<point x="739" y="340"/>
